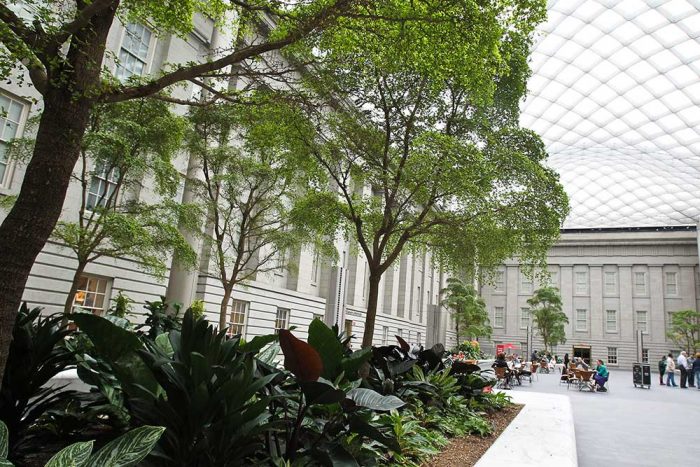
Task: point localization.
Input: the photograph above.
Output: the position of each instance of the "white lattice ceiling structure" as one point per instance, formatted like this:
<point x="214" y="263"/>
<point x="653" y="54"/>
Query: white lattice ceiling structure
<point x="615" y="95"/>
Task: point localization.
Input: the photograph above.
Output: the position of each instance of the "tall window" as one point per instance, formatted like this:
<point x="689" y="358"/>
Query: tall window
<point x="610" y="283"/>
<point x="102" y="187"/>
<point x="581" y="320"/>
<point x="640" y="283"/>
<point x="10" y="116"/>
<point x="385" y="335"/>
<point x="645" y="355"/>
<point x="500" y="281"/>
<point x="611" y="320"/>
<point x="419" y="306"/>
<point x="314" y="268"/>
<point x="400" y="333"/>
<point x="671" y="283"/>
<point x="91" y="294"/>
<point x="133" y="54"/>
<point x="612" y="355"/>
<point x="282" y="319"/>
<point x="525" y="284"/>
<point x="553" y="279"/>
<point x="239" y="311"/>
<point x="642" y="323"/>
<point x="581" y="282"/>
<point x="524" y="318"/>
<point x="280" y="262"/>
<point x="499" y="317"/>
<point x="419" y="338"/>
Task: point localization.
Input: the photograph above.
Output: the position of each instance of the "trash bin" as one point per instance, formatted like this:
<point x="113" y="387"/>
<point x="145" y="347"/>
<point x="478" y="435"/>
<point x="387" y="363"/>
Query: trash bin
<point x="641" y="375"/>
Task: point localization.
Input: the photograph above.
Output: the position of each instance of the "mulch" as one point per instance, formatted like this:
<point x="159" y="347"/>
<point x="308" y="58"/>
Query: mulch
<point x="466" y="451"/>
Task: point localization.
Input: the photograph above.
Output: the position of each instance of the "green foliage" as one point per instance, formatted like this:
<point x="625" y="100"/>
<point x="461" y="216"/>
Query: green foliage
<point x="130" y="141"/>
<point x="251" y="190"/>
<point x="684" y="330"/>
<point x="548" y="316"/>
<point x="469" y="350"/>
<point x="125" y="451"/>
<point x="468" y="309"/>
<point x="160" y="319"/>
<point x="198" y="309"/>
<point x="207" y="400"/>
<point x="121" y="306"/>
<point x="37" y="353"/>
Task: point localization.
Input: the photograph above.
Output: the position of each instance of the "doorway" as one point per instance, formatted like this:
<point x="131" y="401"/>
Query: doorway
<point x="583" y="352"/>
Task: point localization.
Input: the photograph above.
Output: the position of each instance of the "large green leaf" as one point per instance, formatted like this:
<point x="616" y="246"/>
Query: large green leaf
<point x="163" y="343"/>
<point x="75" y="455"/>
<point x="4" y="440"/>
<point x="110" y="340"/>
<point x="353" y="363"/>
<point x="360" y="426"/>
<point x="258" y="343"/>
<point x="129" y="449"/>
<point x="6" y="463"/>
<point x="323" y="339"/>
<point x="317" y="392"/>
<point x="269" y="355"/>
<point x="373" y="400"/>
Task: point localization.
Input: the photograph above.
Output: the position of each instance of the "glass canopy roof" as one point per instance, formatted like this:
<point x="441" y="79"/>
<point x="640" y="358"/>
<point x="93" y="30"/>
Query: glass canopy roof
<point x="615" y="95"/>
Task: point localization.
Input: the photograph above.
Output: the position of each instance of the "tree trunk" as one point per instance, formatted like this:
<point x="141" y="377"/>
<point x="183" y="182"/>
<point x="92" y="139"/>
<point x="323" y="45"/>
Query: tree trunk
<point x="223" y="312"/>
<point x="68" y="307"/>
<point x="67" y="107"/>
<point x="368" y="337"/>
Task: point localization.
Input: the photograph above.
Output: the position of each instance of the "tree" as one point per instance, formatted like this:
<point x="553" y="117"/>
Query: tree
<point x="548" y="317"/>
<point x="255" y="176"/>
<point x="435" y="159"/>
<point x="60" y="48"/>
<point x="684" y="330"/>
<point x="468" y="309"/>
<point x="126" y="145"/>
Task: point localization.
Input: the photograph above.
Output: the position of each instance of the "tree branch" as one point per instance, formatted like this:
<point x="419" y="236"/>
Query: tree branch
<point x="82" y="19"/>
<point x="189" y="72"/>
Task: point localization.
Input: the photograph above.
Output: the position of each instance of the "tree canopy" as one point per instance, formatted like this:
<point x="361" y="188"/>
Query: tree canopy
<point x="684" y="330"/>
<point x="548" y="317"/>
<point x="434" y="158"/>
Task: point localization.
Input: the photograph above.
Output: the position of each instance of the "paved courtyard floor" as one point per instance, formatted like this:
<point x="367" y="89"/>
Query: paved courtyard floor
<point x="631" y="427"/>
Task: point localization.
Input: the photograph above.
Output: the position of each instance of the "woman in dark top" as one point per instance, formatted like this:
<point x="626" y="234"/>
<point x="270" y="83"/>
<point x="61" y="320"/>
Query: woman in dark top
<point x="501" y="363"/>
<point x="566" y="361"/>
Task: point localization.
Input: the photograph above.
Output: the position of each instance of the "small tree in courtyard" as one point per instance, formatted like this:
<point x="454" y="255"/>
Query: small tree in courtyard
<point x="548" y="317"/>
<point x="468" y="310"/>
<point x="255" y="176"/>
<point x="127" y="146"/>
<point x="684" y="330"/>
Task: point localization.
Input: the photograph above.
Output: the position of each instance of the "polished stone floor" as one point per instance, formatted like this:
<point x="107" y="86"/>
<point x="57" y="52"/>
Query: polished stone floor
<point x="631" y="427"/>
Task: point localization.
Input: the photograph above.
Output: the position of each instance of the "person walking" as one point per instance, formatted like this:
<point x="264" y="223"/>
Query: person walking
<point x="696" y="370"/>
<point x="682" y="363"/>
<point x="670" y="371"/>
<point x="566" y="361"/>
<point x="662" y="369"/>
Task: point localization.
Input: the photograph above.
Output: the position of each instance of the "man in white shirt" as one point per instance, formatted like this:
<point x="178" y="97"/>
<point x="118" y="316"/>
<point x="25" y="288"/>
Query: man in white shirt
<point x="683" y="367"/>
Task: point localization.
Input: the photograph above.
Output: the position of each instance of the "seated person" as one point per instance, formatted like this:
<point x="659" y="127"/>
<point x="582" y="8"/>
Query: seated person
<point x="601" y="376"/>
<point x="501" y="363"/>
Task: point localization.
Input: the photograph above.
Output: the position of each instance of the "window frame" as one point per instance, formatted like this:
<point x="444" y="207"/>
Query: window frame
<point x="673" y="293"/>
<point x="106" y="294"/>
<point x="284" y="318"/>
<point x="612" y="354"/>
<point x="499" y="281"/>
<point x="6" y="180"/>
<point x="385" y="335"/>
<point x="610" y="288"/>
<point x="645" y="313"/>
<point x="496" y="317"/>
<point x="615" y="321"/>
<point x="527" y="287"/>
<point x="581" y="288"/>
<point x="233" y="312"/>
<point x="147" y="61"/>
<point x="645" y="355"/>
<point x="643" y="292"/>
<point x="578" y="320"/>
<point x="104" y="177"/>
<point x="525" y="313"/>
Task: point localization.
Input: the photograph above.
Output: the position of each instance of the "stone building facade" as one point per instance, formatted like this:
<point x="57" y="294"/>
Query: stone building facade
<point x="613" y="282"/>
